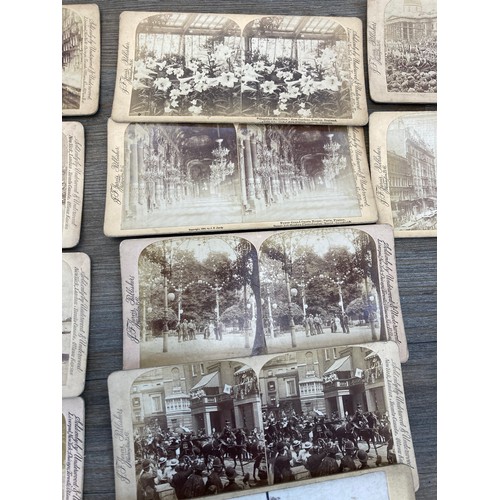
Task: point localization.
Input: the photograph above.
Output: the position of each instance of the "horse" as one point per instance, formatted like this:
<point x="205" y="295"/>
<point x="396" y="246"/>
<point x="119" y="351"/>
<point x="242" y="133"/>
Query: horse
<point x="257" y="450"/>
<point x="366" y="430"/>
<point x="235" y="448"/>
<point x="343" y="432"/>
<point x="367" y="434"/>
<point x="211" y="450"/>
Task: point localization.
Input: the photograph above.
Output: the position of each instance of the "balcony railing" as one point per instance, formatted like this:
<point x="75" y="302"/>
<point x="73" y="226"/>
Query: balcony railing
<point x="342" y="384"/>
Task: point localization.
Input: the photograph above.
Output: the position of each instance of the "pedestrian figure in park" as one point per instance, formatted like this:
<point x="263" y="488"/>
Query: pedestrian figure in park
<point x="191" y="327"/>
<point x="305" y="324"/>
<point x="183" y="331"/>
<point x="333" y="324"/>
<point x="343" y="324"/>
<point x="211" y="329"/>
<point x="318" y="324"/>
<point x="218" y="331"/>
<point x="310" y="321"/>
<point x="346" y="322"/>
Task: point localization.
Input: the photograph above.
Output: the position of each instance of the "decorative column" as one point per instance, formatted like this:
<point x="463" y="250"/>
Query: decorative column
<point x="208" y="422"/>
<point x="243" y="189"/>
<point x="140" y="162"/>
<point x="340" y="406"/>
<point x="255" y="167"/>
<point x="249" y="174"/>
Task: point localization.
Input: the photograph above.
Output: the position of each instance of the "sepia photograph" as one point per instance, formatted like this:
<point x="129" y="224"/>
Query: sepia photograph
<point x="231" y="68"/>
<point x="228" y="427"/>
<point x="75" y="299"/>
<point x="402" y="50"/>
<point x="325" y="411"/>
<point x="165" y="178"/>
<point x="246" y="294"/>
<point x="80" y="53"/>
<point x="404" y="172"/>
<point x="197" y="299"/>
<point x="321" y="288"/>
<point x="72" y="66"/>
<point x="72" y="176"/>
<point x="197" y="429"/>
<point x="296" y="67"/>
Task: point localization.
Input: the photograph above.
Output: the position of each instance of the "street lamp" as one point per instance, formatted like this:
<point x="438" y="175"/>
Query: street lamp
<point x="292" y="293"/>
<point x="341" y="301"/>
<point x="247" y="326"/>
<point x="270" y="308"/>
<point x="371" y="309"/>
<point x="168" y="297"/>
<point x="144" y="326"/>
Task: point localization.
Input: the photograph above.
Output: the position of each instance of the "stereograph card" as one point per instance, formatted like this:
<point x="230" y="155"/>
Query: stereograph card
<point x="403" y="158"/>
<point x="73" y="447"/>
<point x="81" y="59"/>
<point x="201" y="67"/>
<point x="73" y="163"/>
<point x="208" y="296"/>
<point x="402" y="50"/>
<point x="75" y="321"/>
<point x="175" y="178"/>
<point x="263" y="422"/>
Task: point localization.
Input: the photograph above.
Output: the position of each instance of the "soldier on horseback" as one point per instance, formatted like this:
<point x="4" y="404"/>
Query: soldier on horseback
<point x="359" y="420"/>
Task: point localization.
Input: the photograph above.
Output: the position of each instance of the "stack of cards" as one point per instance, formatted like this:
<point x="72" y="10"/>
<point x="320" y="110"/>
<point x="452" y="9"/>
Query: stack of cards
<point x="80" y="96"/>
<point x="402" y="68"/>
<point x="264" y="363"/>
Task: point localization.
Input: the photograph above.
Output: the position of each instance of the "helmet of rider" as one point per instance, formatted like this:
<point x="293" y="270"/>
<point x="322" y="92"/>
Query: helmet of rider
<point x="362" y="456"/>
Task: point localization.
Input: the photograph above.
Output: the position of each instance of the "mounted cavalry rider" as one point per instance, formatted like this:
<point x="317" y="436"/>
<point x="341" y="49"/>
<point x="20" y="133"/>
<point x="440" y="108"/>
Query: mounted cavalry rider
<point x="227" y="434"/>
<point x="358" y="420"/>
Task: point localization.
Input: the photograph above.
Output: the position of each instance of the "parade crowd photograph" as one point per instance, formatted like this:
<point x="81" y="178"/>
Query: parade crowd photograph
<point x="204" y="429"/>
<point x="411" y="46"/>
